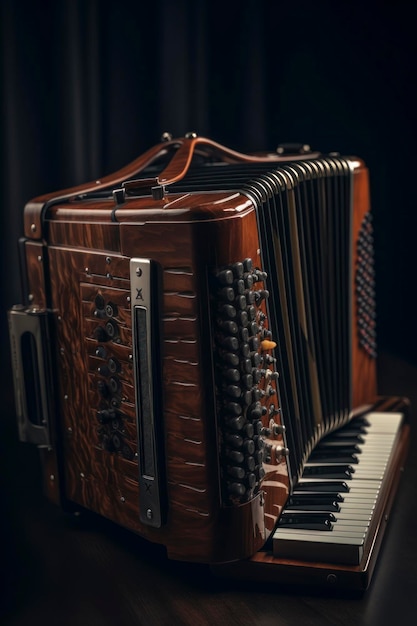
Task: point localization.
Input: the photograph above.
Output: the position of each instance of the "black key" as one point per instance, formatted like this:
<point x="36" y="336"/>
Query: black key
<point x="307" y="521"/>
<point x="314" y="502"/>
<point x="323" y="486"/>
<point x="339" y="443"/>
<point x="353" y="434"/>
<point x="332" y="457"/>
<point x="345" y="448"/>
<point x="343" y="472"/>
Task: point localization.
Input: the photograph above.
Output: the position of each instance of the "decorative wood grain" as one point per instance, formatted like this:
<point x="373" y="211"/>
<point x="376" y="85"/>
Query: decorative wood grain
<point x="92" y="236"/>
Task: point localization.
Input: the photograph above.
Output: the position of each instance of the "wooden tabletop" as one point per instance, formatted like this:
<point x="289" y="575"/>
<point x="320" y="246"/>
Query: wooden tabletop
<point x="70" y="571"/>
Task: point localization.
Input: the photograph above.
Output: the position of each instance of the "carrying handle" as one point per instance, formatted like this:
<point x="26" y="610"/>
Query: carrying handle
<point x="184" y="149"/>
<point x="32" y="373"/>
<point x="181" y="161"/>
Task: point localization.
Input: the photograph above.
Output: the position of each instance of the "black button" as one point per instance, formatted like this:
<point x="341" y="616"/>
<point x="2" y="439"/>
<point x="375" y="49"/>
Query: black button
<point x="102" y="388"/>
<point x="114" y="384"/>
<point x="237" y="269"/>
<point x="233" y="408"/>
<point x="225" y="277"/>
<point x="247" y="381"/>
<point x="230" y="358"/>
<point x="247" y="397"/>
<point x="233" y="391"/>
<point x="255" y="411"/>
<point x="236" y="489"/>
<point x="114" y="365"/>
<point x="229" y="327"/>
<point x="239" y="286"/>
<point x="243" y="319"/>
<point x="254" y="343"/>
<point x="249" y="446"/>
<point x="112" y="329"/>
<point x="251" y="480"/>
<point x="105" y="415"/>
<point x="259" y="456"/>
<point x="234" y="440"/>
<point x="111" y="309"/>
<point x="250" y="463"/>
<point x="256" y="359"/>
<point x="241" y="302"/>
<point x="248" y="265"/>
<point x="103" y="370"/>
<point x="258" y="426"/>
<point x="245" y="349"/>
<point x="227" y="294"/>
<point x="99" y="313"/>
<point x="257" y="375"/>
<point x="230" y="343"/>
<point x="232" y="374"/>
<point x="228" y="310"/>
<point x="236" y="472"/>
<point x="100" y="334"/>
<point x="100" y="302"/>
<point x="248" y="431"/>
<point x="244" y="334"/>
<point x="261" y="473"/>
<point x="235" y="456"/>
<point x="117" y="441"/>
<point x="248" y="281"/>
<point x="251" y="297"/>
<point x="235" y="423"/>
<point x="246" y="366"/>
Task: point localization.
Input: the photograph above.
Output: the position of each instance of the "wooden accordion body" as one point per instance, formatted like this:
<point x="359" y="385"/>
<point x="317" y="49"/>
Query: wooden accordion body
<point x="191" y="331"/>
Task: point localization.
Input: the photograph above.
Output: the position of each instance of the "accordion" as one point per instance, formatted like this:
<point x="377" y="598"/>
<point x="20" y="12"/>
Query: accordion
<point x="195" y="358"/>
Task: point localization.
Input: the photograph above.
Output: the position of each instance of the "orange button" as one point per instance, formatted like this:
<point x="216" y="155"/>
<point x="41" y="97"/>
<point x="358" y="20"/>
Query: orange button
<point x="268" y="345"/>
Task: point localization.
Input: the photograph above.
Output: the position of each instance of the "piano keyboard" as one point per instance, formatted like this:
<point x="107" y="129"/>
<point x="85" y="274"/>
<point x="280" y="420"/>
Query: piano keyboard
<point x="331" y="514"/>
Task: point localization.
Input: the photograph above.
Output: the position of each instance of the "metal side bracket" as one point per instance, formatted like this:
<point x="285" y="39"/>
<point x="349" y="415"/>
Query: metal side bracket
<point x="148" y="392"/>
<point x="32" y="373"/>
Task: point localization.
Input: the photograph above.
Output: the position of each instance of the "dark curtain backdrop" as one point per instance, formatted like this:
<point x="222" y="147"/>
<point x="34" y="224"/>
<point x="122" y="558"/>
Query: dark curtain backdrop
<point x="87" y="85"/>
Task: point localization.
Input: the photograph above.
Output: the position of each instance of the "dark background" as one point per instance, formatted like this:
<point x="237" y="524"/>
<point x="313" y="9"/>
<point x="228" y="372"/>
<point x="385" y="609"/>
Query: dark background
<point x="88" y="85"/>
